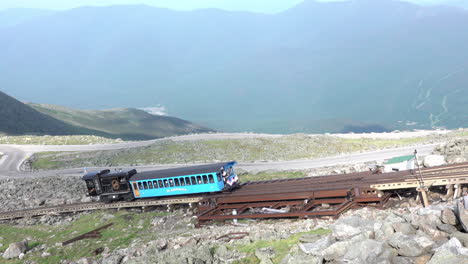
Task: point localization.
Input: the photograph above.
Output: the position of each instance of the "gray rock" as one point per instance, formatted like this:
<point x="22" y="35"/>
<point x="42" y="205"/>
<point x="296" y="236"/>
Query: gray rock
<point x="225" y="255"/>
<point x="296" y="256"/>
<point x="383" y="231"/>
<point x="462" y="237"/>
<point x="338" y="249"/>
<point x="14" y="250"/>
<point x="447" y="228"/>
<point x="112" y="259"/>
<point x="309" y="238"/>
<point x="403" y="260"/>
<point x="404" y="228"/>
<point x="369" y="251"/>
<point x="318" y="246"/>
<point x="405" y="245"/>
<point x="87" y="261"/>
<point x="433" y="231"/>
<point x="347" y="227"/>
<point x="448" y="217"/>
<point x="265" y="255"/>
<point x="161" y="244"/>
<point x="452" y="252"/>
<point x="433" y="160"/>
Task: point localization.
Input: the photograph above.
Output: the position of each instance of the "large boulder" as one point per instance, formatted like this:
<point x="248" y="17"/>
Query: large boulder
<point x="433" y="160"/>
<point x="452" y="252"/>
<point x="297" y="256"/>
<point x="404" y="228"/>
<point x="347" y="227"/>
<point x="449" y="217"/>
<point x="15" y="250"/>
<point x="462" y="237"/>
<point x="369" y="251"/>
<point x="405" y="245"/>
<point x="382" y="231"/>
<point x="265" y="255"/>
<point x="316" y="247"/>
<point x="339" y="249"/>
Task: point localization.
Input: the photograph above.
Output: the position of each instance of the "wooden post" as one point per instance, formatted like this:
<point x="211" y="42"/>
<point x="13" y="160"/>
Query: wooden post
<point x="423" y="190"/>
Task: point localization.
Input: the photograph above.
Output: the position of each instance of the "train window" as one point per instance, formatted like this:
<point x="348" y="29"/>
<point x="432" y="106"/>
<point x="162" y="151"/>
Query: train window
<point x="205" y="179"/>
<point x="160" y="183"/>
<point x="166" y="184"/>
<point x="150" y="185"/>
<point x="145" y="185"/>
<point x="193" y="180"/>
<point x="176" y="182"/>
<point x="135" y="187"/>
<point x="155" y="184"/>
<point x="210" y="177"/>
<point x="199" y="181"/>
<point x="187" y="180"/>
<point x="140" y="186"/>
<point x="171" y="182"/>
<point x="218" y="175"/>
<point x="182" y="181"/>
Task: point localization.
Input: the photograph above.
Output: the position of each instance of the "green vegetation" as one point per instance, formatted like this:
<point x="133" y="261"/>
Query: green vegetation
<point x="266" y="176"/>
<point x="291" y="147"/>
<point x="57" y="140"/>
<point x="281" y="247"/>
<point x="17" y="118"/>
<point x="126" y="227"/>
<point x="126" y="123"/>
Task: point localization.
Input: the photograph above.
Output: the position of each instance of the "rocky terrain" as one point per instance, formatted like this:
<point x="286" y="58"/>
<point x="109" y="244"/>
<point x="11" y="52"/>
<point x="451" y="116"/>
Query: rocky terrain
<point x="403" y="233"/>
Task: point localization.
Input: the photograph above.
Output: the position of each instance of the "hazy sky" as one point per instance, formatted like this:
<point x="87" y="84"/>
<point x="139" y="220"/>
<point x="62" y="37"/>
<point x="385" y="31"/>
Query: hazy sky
<point x="268" y="6"/>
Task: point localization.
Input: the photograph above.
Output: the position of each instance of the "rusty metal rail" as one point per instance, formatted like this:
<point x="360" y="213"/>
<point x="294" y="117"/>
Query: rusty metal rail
<point x="321" y="196"/>
<point x="96" y="233"/>
<point x="302" y="197"/>
<point x="77" y="207"/>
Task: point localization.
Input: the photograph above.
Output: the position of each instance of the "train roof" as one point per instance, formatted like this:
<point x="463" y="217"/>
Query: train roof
<point x="174" y="172"/>
<point x="107" y="173"/>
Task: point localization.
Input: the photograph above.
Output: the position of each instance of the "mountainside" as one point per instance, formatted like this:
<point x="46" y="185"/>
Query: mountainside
<point x="380" y="63"/>
<point x="125" y="123"/>
<point x="17" y="118"/>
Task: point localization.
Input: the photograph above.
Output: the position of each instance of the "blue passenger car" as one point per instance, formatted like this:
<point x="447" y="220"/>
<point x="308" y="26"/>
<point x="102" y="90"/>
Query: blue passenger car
<point x="188" y="180"/>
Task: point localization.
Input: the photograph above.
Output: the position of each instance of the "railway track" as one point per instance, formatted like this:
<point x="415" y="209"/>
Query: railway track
<point x="79" y="207"/>
<point x="302" y="197"/>
<point x="325" y="195"/>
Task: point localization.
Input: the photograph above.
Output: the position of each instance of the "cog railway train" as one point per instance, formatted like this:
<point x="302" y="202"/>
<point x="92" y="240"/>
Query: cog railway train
<point x="128" y="185"/>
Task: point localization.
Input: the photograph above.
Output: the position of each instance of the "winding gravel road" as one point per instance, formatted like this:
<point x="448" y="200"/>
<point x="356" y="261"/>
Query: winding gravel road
<point x="14" y="156"/>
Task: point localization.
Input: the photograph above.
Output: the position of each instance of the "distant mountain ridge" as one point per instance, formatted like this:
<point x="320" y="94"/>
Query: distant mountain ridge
<point x="381" y="63"/>
<point x="18" y="118"/>
<point x="126" y="123"/>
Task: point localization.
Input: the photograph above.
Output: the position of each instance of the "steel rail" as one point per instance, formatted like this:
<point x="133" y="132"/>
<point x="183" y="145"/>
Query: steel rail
<point x="77" y="207"/>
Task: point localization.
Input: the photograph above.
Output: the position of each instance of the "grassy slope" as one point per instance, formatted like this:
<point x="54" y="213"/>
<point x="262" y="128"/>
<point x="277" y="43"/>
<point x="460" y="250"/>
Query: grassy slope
<point x="125" y="123"/>
<point x="17" y="118"/>
<point x="242" y="150"/>
<point x="56" y="140"/>
<point x="123" y="231"/>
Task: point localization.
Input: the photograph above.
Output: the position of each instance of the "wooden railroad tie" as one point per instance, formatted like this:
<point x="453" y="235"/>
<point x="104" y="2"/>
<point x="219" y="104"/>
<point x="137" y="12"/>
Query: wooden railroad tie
<point x="91" y="234"/>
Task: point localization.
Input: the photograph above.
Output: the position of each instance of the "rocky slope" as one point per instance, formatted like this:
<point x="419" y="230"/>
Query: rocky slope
<point x="403" y="233"/>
